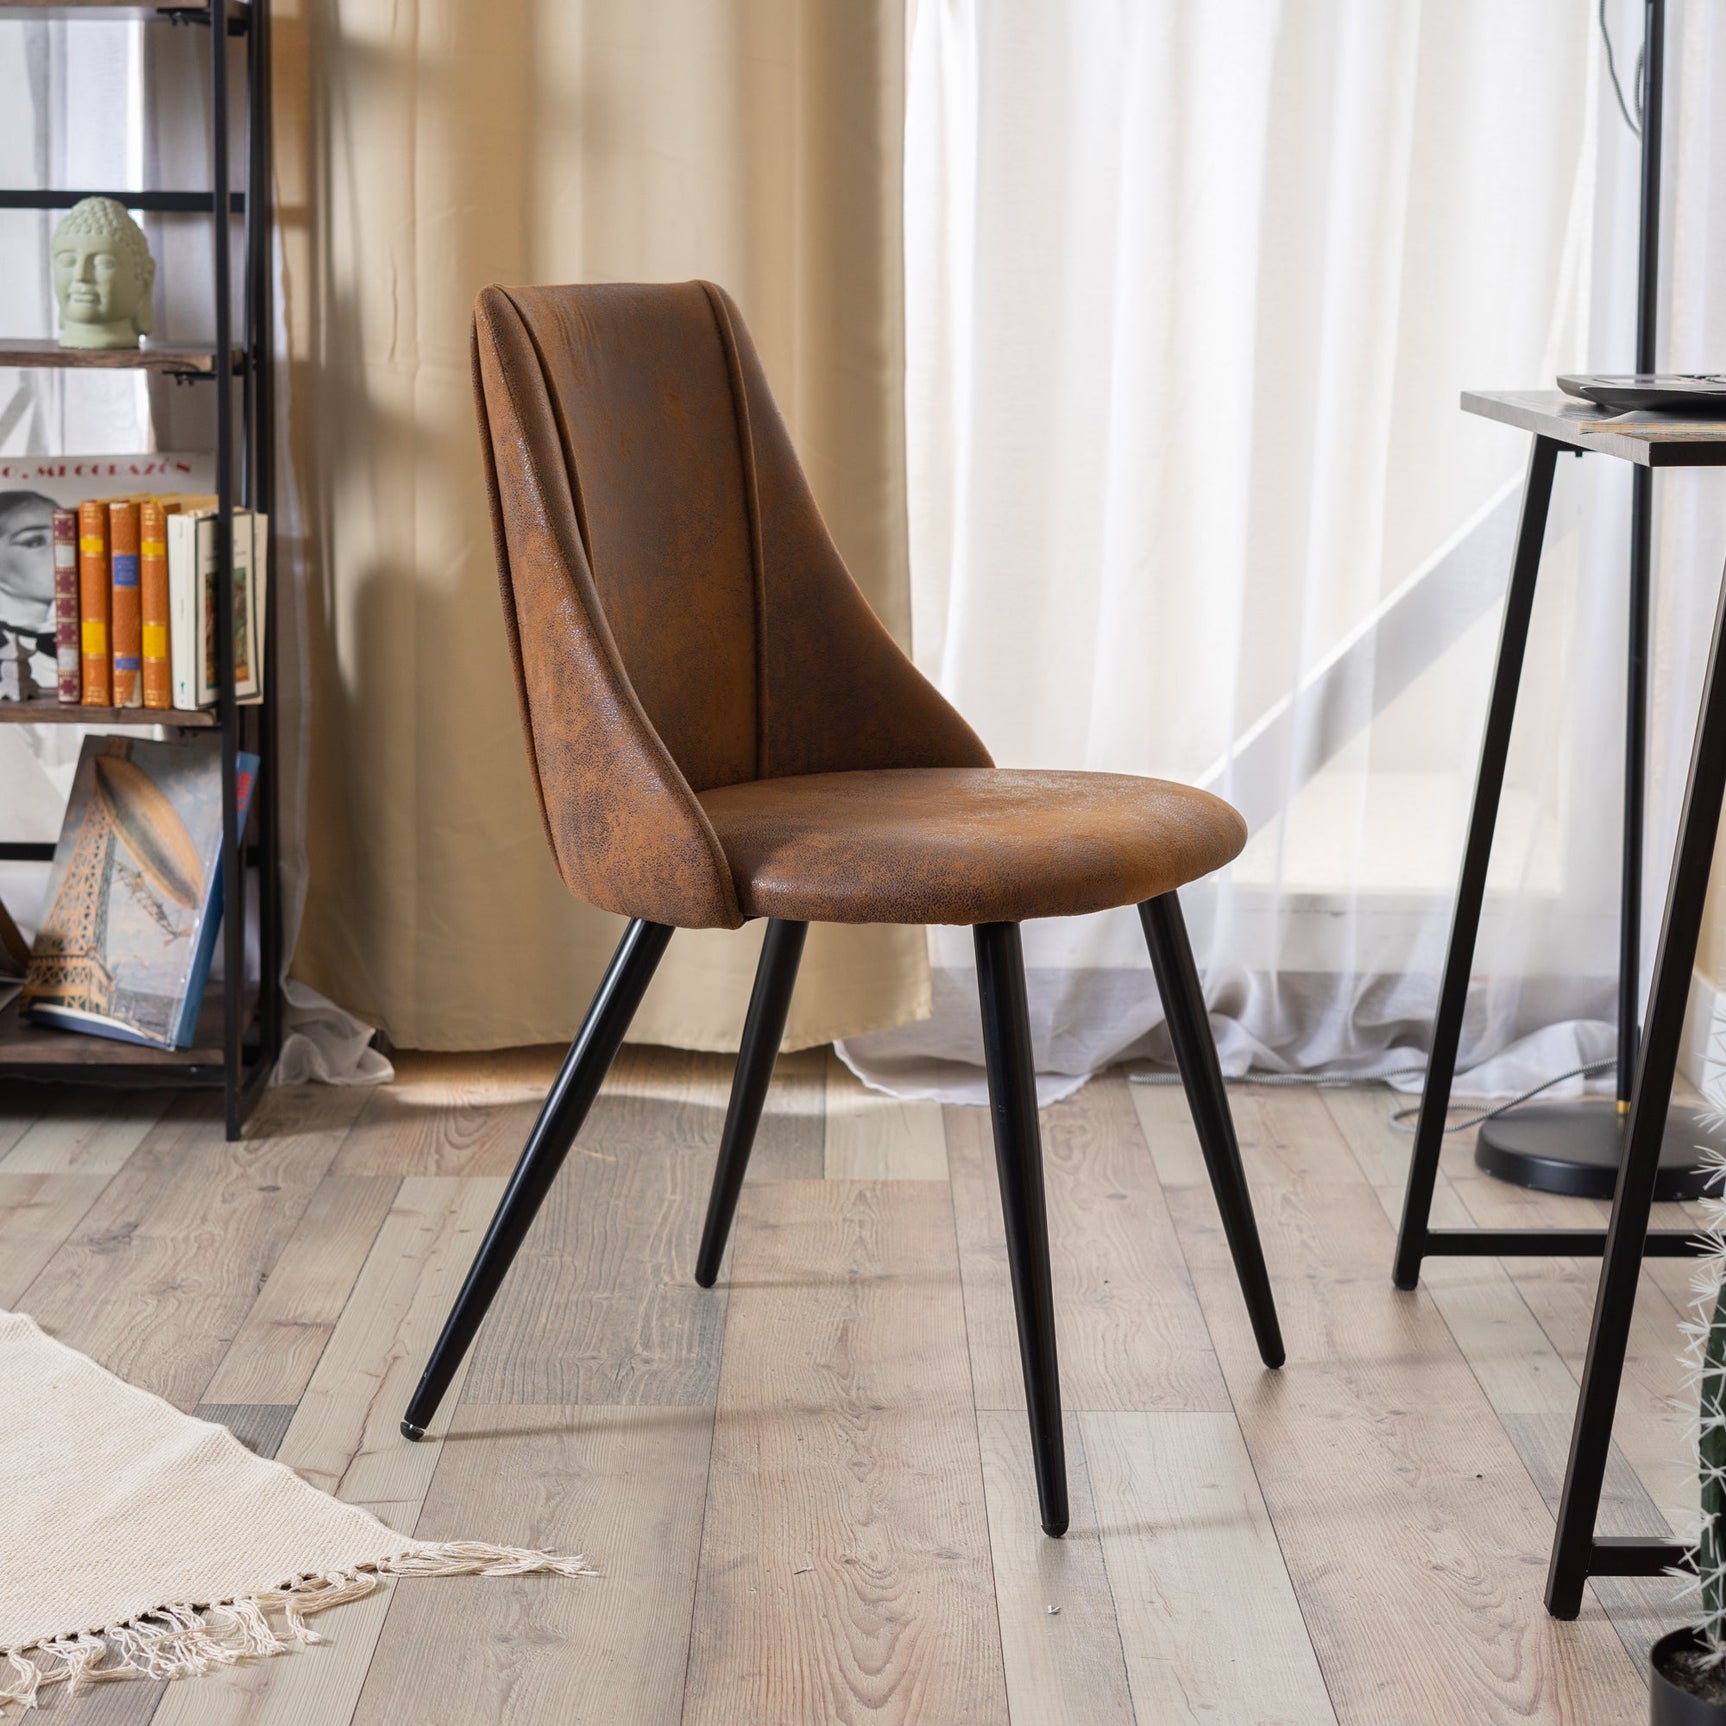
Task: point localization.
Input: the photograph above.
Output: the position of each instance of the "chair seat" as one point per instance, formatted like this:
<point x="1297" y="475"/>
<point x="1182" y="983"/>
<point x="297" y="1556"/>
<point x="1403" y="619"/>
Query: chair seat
<point x="964" y="844"/>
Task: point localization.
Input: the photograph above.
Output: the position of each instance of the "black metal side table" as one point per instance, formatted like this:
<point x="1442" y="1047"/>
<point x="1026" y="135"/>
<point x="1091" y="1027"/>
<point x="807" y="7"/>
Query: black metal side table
<point x="1559" y="423"/>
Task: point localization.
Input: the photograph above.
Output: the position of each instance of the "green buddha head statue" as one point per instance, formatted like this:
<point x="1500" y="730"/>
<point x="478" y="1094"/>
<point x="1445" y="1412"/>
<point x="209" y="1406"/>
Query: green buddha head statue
<point x="103" y="274"/>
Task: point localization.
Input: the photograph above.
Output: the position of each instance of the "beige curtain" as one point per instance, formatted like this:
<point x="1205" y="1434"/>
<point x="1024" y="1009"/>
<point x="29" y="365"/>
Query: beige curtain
<point x="445" y="146"/>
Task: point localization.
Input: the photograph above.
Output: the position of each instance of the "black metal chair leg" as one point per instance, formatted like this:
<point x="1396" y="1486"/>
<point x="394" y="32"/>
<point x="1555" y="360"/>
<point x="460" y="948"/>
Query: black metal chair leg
<point x="775" y="978"/>
<point x="1202" y="1077"/>
<point x="1019" y="1157"/>
<point x="1477" y="853"/>
<point x="566" y="1105"/>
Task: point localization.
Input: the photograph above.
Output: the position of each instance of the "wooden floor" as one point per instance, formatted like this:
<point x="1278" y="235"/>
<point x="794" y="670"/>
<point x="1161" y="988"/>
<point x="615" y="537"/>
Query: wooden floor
<point x="807" y="1491"/>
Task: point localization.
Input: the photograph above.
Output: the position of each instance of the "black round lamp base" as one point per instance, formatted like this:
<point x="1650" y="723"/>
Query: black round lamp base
<point x="1576" y="1148"/>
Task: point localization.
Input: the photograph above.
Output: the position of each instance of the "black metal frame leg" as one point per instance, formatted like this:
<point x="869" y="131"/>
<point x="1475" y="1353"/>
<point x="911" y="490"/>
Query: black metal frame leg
<point x="1202" y="1076"/>
<point x="1471" y="892"/>
<point x="763" y="1029"/>
<point x="566" y="1105"/>
<point x="1575" y="1552"/>
<point x="1019" y="1158"/>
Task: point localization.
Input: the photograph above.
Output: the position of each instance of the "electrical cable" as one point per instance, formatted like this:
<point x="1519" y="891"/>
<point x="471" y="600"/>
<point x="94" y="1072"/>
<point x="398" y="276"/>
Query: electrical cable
<point x="1401" y="1115"/>
<point x="1398" y="1117"/>
<point x="1317" y="1081"/>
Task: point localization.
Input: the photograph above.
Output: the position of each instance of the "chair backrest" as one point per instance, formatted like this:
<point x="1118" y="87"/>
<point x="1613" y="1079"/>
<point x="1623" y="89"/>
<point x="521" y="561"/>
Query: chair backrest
<point x="678" y="615"/>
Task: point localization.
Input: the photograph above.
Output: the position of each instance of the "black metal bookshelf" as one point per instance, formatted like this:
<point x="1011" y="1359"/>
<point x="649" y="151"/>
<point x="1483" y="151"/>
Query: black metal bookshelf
<point x="239" y="1029"/>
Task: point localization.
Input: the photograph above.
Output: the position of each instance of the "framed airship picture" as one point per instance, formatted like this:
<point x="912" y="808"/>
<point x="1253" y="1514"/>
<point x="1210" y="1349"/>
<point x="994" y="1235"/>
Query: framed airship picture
<point x="134" y="898"/>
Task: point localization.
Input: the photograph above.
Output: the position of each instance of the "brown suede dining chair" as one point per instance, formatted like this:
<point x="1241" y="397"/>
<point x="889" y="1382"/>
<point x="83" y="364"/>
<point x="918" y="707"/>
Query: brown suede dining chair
<point x="720" y="729"/>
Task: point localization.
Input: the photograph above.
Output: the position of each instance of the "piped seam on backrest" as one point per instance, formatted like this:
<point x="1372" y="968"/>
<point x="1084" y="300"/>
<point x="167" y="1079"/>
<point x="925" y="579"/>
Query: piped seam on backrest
<point x="566" y="442"/>
<point x="752" y="504"/>
<point x="506" y="579"/>
<point x="602" y="628"/>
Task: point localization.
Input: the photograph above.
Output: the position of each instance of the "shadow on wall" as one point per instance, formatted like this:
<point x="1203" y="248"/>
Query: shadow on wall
<point x="431" y="889"/>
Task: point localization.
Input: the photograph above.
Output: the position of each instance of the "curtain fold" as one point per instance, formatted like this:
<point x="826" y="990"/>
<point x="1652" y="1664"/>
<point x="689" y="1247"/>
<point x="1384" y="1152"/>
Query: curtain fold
<point x="1192" y="293"/>
<point x="1690" y="507"/>
<point x="445" y="146"/>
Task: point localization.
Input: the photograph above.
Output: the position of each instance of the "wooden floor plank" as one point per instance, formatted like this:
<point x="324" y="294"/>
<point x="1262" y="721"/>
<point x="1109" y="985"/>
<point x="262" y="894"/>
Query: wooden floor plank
<point x="873" y="1137"/>
<point x="1131" y="1335"/>
<point x="1398" y="1498"/>
<point x="259" y="1426"/>
<point x="1184" y="1527"/>
<point x="866" y="1549"/>
<point x="844" y="1572"/>
<point x="463" y="1114"/>
<point x="1062" y="1647"/>
<point x="681" y="1097"/>
<point x="1503" y="1342"/>
<point x="1523" y="1324"/>
<point x="20" y="1109"/>
<point x="1382" y="1145"/>
<point x="1654" y="1405"/>
<point x="1532" y="1386"/>
<point x="624" y="1485"/>
<point x="601" y="1305"/>
<point x="1286" y="1130"/>
<point x="161" y="1271"/>
<point x="345" y="1436"/>
<point x="272" y="1357"/>
<point x="471" y="1114"/>
<point x="1641" y="1610"/>
<point x="791" y="1144"/>
<point x="38" y="1214"/>
<point x="84" y="1131"/>
<point x="133" y="1703"/>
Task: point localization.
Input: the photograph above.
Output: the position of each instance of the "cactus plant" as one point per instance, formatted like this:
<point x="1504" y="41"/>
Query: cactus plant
<point x="1709" y="1347"/>
<point x="1705" y="1331"/>
<point x="1687" y="1668"/>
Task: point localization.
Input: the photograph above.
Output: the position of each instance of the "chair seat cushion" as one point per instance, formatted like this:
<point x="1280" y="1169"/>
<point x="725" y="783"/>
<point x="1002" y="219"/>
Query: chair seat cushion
<point x="964" y="844"/>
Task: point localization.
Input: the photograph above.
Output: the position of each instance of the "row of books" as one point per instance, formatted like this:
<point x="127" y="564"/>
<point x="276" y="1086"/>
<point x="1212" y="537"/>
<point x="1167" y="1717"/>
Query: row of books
<point x="135" y="602"/>
<point x="111" y="601"/>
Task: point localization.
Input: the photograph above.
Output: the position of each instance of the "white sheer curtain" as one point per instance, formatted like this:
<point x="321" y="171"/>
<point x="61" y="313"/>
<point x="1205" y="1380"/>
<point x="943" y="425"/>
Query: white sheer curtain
<point x="70" y="115"/>
<point x="1192" y="291"/>
<point x="1690" y="513"/>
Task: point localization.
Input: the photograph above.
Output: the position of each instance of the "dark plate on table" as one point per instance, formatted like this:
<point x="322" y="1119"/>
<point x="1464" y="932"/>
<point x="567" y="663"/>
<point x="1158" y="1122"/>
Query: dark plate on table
<point x="1700" y="393"/>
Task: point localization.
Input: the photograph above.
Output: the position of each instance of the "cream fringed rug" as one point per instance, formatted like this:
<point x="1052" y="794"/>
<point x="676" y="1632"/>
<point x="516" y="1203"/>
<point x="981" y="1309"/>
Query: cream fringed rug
<point x="138" y="1542"/>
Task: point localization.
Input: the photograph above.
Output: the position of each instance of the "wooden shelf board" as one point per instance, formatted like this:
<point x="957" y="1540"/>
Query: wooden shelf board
<point x="165" y="201"/>
<point x="24" y="1045"/>
<point x="1649" y="440"/>
<point x="113" y="8"/>
<point x="157" y="357"/>
<point x="68" y="713"/>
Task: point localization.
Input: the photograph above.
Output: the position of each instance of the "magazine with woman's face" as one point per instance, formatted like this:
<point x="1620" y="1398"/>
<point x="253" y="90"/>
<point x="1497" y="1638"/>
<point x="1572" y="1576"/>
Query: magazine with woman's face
<point x="27" y="664"/>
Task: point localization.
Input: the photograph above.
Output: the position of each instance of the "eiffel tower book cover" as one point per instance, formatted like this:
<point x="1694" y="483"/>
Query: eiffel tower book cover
<point x="135" y="894"/>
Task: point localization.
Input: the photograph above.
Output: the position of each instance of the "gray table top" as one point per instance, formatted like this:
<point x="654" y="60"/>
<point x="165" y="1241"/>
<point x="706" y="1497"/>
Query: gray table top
<point x="1649" y="440"/>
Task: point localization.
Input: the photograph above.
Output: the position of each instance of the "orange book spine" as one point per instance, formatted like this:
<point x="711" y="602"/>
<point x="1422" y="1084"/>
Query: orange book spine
<point x="153" y="600"/>
<point x="93" y="600"/>
<point x="126" y="616"/>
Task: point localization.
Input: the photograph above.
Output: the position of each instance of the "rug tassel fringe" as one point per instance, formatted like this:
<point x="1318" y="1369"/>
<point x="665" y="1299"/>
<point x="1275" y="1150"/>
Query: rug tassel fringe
<point x="182" y="1640"/>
